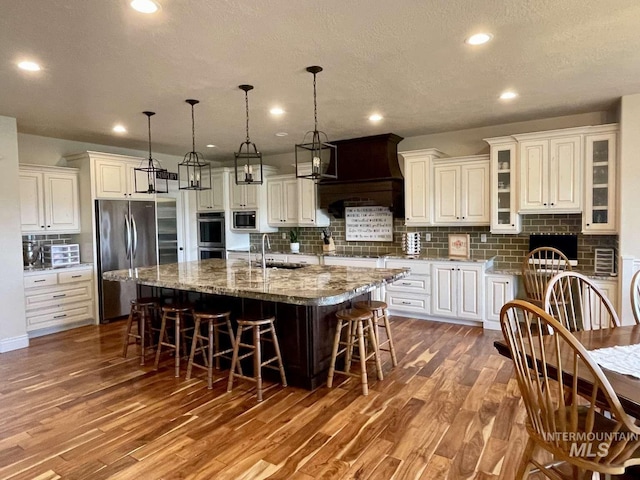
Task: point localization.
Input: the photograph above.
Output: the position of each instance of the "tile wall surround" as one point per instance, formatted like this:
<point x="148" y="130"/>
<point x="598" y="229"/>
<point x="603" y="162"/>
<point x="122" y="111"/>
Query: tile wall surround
<point x="52" y="239"/>
<point x="508" y="249"/>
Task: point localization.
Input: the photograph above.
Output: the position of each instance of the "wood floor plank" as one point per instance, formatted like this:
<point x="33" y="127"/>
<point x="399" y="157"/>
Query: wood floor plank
<point x="71" y="407"/>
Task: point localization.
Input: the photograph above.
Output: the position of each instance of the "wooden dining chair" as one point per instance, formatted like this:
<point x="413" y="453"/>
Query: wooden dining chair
<point x="578" y="303"/>
<point x="570" y="427"/>
<point x="635" y="296"/>
<point x="538" y="267"/>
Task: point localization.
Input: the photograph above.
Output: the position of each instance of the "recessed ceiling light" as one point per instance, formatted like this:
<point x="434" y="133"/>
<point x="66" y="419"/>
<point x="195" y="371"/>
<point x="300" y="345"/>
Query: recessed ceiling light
<point x="276" y="111"/>
<point x="376" y="117"/>
<point x="478" y="39"/>
<point x="29" y="66"/>
<point x="281" y="134"/>
<point x="211" y="145"/>
<point x="508" y="95"/>
<point x="119" y="129"/>
<point x="144" y="6"/>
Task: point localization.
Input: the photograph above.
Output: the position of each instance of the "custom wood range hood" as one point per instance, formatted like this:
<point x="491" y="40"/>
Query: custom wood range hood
<point x="368" y="170"/>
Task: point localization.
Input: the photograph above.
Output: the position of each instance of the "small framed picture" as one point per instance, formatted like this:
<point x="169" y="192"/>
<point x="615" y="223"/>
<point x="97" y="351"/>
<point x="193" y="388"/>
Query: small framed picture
<point x="459" y="245"/>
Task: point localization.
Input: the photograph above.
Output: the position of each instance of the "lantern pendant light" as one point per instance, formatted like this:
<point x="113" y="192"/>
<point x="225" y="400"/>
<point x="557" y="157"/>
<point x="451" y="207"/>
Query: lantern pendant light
<point x="248" y="160"/>
<point x="151" y="171"/>
<point x="316" y="158"/>
<point x="194" y="173"/>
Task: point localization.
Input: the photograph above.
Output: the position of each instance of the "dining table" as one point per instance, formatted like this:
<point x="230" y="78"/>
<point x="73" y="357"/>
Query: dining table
<point x="626" y="387"/>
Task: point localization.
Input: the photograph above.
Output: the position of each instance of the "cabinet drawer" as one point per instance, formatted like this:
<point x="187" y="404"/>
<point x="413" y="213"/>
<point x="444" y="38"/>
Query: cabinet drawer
<point x="416" y="266"/>
<point x="52" y="297"/>
<point x="75" y="276"/>
<point x="40" y="280"/>
<point x="398" y="302"/>
<point x="59" y="316"/>
<point x="412" y="284"/>
<point x="305" y="259"/>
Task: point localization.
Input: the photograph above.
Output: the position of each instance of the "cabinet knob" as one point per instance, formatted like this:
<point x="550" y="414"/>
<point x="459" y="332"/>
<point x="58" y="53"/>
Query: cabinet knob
<point x="552" y="203"/>
<point x="545" y="204"/>
<point x="588" y="224"/>
<point x="457" y="218"/>
<point x="513" y="224"/>
<point x="181" y="249"/>
<point x="452" y="269"/>
<point x="48" y="226"/>
<point x="463" y="218"/>
<point x="312" y="220"/>
<point x="41" y="226"/>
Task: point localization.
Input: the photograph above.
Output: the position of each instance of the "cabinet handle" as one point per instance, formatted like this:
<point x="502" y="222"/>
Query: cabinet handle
<point x="60" y="316"/>
<point x="41" y="280"/>
<point x="406" y="283"/>
<point x="76" y="276"/>
<point x="406" y="303"/>
<point x="60" y="296"/>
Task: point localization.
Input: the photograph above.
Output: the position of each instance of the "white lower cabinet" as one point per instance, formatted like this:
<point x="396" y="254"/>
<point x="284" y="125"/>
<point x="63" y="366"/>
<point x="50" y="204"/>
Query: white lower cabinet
<point x="410" y="295"/>
<point x="55" y="300"/>
<point x="610" y="288"/>
<point x="457" y="290"/>
<point x="500" y="290"/>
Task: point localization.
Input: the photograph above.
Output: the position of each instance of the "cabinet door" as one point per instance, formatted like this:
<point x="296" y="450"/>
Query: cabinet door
<point x="447" y="193"/>
<point x="565" y="179"/>
<point x="474" y="192"/>
<point x="600" y="184"/>
<point x="534" y="164"/>
<point x="205" y="200"/>
<point x="443" y="290"/>
<point x="218" y="191"/>
<point x="111" y="179"/>
<point x="504" y="216"/>
<point x="62" y="209"/>
<point x="31" y="202"/>
<point x="306" y="202"/>
<point x="469" y="292"/>
<point x="237" y="195"/>
<point x="275" y="194"/>
<point x="290" y="202"/>
<point x="500" y="290"/>
<point x="416" y="185"/>
<point x="251" y="195"/>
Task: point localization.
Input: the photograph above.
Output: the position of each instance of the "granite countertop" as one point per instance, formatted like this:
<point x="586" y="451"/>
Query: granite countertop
<point x="43" y="268"/>
<point x="309" y="285"/>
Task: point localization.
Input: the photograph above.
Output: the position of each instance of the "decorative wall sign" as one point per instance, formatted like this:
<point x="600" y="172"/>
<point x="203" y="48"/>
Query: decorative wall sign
<point x="167" y="175"/>
<point x="459" y="245"/>
<point x="368" y="224"/>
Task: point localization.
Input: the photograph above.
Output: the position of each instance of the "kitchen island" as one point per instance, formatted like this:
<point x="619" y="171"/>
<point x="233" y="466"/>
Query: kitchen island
<point x="302" y="299"/>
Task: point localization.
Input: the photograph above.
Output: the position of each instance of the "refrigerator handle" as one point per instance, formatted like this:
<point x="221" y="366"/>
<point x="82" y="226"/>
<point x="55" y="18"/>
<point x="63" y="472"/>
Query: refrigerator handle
<point x="127" y="235"/>
<point x="134" y="249"/>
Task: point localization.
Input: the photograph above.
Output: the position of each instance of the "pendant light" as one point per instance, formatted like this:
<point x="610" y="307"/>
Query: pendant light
<point x="152" y="174"/>
<point x="316" y="158"/>
<point x="248" y="160"/>
<point x="194" y="173"/>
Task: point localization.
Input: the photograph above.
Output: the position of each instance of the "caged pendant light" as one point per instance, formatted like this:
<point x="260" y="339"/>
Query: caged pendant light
<point x="315" y="155"/>
<point x="194" y="173"/>
<point x="248" y="160"/>
<point x="151" y="174"/>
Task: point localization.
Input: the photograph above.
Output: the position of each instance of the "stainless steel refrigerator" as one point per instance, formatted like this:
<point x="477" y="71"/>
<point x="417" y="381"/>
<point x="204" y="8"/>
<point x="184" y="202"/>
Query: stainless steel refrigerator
<point x="126" y="239"/>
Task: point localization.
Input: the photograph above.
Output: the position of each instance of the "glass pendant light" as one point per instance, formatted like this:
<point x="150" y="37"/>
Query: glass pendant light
<point x="316" y="158"/>
<point x="151" y="174"/>
<point x="248" y="160"/>
<point x="194" y="173"/>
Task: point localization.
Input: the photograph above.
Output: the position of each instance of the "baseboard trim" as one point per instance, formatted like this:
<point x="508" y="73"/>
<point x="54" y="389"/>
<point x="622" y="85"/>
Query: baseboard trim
<point x="14" y="343"/>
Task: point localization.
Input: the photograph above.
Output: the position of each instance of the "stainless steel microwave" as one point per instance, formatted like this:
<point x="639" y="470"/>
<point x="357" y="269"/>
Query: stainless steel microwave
<point x="245" y="219"/>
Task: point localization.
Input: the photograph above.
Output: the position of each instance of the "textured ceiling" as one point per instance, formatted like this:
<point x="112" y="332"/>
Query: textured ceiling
<point x="104" y="63"/>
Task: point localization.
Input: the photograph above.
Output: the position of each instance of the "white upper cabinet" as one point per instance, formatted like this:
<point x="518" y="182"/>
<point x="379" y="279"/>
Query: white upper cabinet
<point x="504" y="210"/>
<point x="116" y="178"/>
<point x="417" y="188"/>
<point x="550" y="172"/>
<point x="308" y="213"/>
<point x="244" y="196"/>
<point x="215" y="199"/>
<point x="461" y="191"/>
<point x="49" y="201"/>
<point x="600" y="214"/>
<point x="282" y="201"/>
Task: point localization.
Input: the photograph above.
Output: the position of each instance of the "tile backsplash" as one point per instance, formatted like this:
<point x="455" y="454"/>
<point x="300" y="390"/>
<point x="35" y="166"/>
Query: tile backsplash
<point x="508" y="249"/>
<point x="51" y="239"/>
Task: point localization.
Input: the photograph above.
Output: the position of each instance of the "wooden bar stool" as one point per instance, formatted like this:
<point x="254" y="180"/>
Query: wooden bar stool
<point x="217" y="323"/>
<point x="258" y="327"/>
<point x="143" y="312"/>
<point x="178" y="314"/>
<point x="358" y="323"/>
<point x="380" y="321"/>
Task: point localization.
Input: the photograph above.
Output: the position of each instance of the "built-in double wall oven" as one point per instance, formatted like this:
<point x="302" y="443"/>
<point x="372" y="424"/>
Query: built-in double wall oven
<point x="211" y="242"/>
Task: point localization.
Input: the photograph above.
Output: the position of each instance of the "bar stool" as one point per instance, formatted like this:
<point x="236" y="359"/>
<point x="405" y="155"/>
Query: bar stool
<point x="178" y="314"/>
<point x="143" y="312"/>
<point x="259" y="327"/>
<point x="358" y="323"/>
<point x="217" y="323"/>
<point x="380" y="321"/>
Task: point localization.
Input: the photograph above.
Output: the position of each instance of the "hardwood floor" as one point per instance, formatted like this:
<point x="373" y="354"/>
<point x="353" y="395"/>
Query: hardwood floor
<point x="71" y="407"/>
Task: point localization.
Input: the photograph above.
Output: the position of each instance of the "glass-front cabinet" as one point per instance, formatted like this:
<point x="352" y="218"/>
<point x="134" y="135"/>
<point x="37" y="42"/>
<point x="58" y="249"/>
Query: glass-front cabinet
<point x="599" y="216"/>
<point x="504" y="213"/>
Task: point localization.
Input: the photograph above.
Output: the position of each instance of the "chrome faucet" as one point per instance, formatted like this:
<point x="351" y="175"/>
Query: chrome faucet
<point x="264" y="261"/>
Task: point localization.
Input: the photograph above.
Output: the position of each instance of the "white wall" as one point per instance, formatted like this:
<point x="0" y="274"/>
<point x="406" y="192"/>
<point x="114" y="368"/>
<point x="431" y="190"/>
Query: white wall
<point x="468" y="142"/>
<point x="13" y="328"/>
